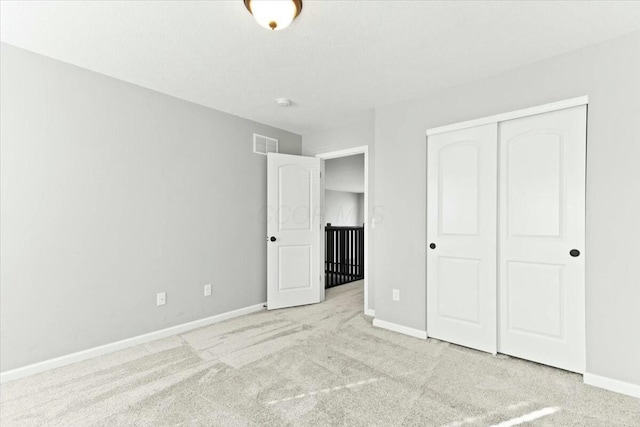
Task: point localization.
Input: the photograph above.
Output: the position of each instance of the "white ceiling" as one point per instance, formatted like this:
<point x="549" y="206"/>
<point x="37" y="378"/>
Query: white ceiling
<point x="337" y="60"/>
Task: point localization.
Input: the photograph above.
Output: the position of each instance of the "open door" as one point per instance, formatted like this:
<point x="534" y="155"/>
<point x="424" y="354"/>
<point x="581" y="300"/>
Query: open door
<point x="294" y="231"/>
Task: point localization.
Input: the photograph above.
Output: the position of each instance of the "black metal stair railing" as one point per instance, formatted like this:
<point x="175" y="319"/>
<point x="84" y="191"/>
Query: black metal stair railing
<point x="344" y="255"/>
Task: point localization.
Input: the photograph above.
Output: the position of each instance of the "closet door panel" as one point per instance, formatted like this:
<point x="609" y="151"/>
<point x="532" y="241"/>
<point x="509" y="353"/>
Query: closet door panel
<point x="461" y="231"/>
<point x="542" y="218"/>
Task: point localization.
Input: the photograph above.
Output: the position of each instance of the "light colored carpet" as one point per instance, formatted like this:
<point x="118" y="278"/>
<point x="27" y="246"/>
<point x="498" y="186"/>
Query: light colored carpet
<point x="317" y="365"/>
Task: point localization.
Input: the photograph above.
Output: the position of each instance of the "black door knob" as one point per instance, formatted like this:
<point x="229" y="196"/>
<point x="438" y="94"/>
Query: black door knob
<point x="272" y="238"/>
<point x="574" y="252"/>
<point x="432" y="245"/>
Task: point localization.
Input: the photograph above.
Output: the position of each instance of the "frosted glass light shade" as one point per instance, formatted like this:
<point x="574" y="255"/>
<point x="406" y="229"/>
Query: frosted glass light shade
<point x="274" y="14"/>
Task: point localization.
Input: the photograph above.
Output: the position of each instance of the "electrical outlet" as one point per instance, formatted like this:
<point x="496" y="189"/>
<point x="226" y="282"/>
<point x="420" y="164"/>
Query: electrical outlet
<point x="207" y="290"/>
<point x="161" y="298"/>
<point x="396" y="294"/>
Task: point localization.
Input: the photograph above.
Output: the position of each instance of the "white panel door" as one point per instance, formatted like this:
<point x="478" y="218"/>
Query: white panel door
<point x="295" y="239"/>
<point x="542" y="236"/>
<point x="461" y="234"/>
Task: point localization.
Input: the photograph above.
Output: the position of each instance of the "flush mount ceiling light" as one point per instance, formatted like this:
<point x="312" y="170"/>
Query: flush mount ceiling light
<point x="274" y="14"/>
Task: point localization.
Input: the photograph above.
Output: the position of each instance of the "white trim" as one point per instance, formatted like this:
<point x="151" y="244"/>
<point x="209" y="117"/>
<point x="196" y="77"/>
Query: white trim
<point x="364" y="149"/>
<point x="417" y="333"/>
<point x="90" y="353"/>
<point x="370" y="312"/>
<point x="321" y="220"/>
<point x="611" y="384"/>
<point x="560" y="105"/>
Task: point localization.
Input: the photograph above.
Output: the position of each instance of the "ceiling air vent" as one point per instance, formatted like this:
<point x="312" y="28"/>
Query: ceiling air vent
<point x="263" y="144"/>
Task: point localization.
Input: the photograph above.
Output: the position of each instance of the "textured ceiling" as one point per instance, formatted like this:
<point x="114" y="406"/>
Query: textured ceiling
<point x="336" y="61"/>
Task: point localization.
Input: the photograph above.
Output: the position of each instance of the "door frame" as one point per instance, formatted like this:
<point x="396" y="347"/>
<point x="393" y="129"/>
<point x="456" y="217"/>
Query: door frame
<point x="497" y="118"/>
<point x="525" y="112"/>
<point x="364" y="149"/>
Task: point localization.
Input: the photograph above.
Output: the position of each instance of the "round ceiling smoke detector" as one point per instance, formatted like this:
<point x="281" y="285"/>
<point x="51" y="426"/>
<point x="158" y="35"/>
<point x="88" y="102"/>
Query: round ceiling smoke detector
<point x="283" y="102"/>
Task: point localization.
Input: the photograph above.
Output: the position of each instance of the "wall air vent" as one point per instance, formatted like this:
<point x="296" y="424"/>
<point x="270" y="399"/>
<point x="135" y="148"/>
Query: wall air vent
<point x="263" y="144"/>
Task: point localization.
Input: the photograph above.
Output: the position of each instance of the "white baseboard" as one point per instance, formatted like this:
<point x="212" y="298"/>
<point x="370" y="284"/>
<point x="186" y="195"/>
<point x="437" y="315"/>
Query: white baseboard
<point x="370" y="312"/>
<point x="618" y="386"/>
<point x="401" y="329"/>
<point x="90" y="353"/>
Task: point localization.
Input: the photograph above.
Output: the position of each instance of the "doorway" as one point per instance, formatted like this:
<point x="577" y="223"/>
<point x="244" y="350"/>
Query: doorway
<point x="346" y="218"/>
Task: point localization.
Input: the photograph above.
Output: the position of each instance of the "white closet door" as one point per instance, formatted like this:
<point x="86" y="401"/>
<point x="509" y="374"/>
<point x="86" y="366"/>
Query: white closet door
<point x="461" y="233"/>
<point x="542" y="225"/>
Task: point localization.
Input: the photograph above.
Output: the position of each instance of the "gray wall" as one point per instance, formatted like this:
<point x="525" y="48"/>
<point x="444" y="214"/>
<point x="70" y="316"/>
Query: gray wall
<point x="356" y="134"/>
<point x="111" y="193"/>
<point x="351" y="135"/>
<point x="609" y="73"/>
<point x="345" y="174"/>
<point x="343" y="208"/>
